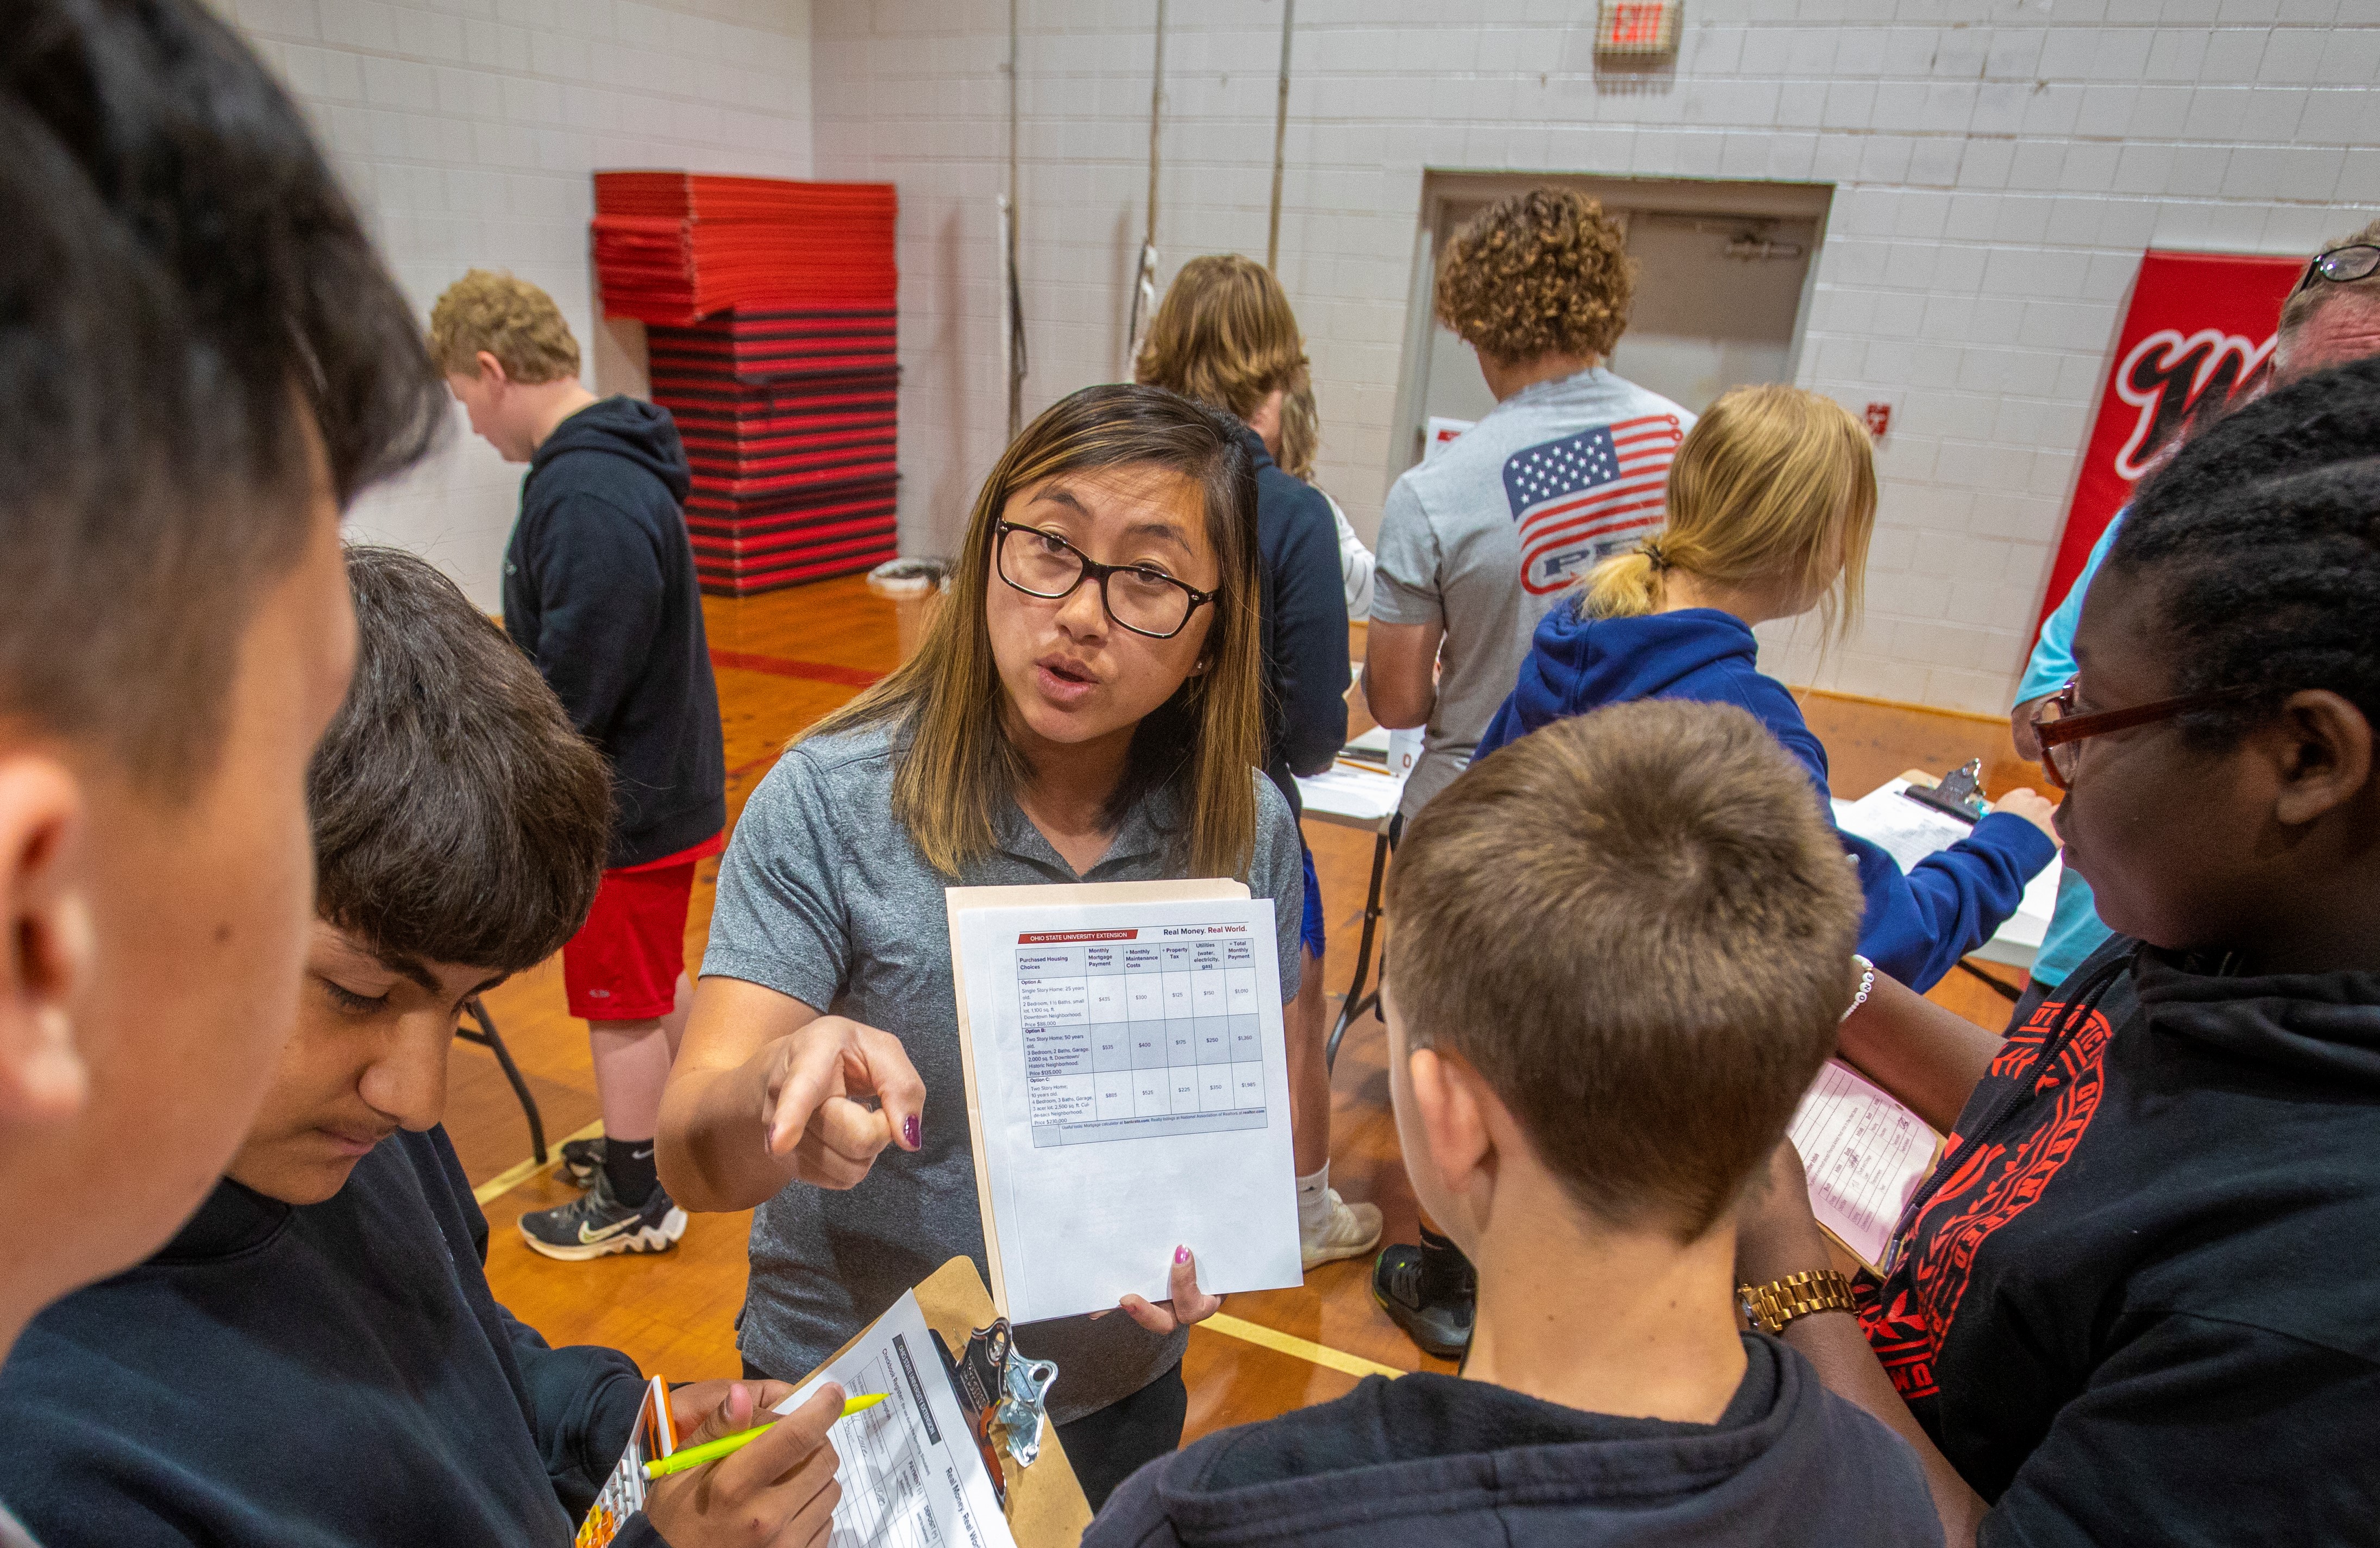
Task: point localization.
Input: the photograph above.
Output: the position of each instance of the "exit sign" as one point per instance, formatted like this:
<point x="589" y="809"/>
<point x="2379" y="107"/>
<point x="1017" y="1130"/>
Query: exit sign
<point x="1637" y="29"/>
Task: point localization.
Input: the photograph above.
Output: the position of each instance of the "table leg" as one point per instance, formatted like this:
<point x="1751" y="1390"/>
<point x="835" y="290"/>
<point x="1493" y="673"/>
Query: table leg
<point x="1357" y="1003"/>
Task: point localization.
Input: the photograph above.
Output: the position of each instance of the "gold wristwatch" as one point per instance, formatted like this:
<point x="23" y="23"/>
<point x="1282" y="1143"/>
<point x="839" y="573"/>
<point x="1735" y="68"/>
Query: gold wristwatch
<point x="1769" y="1307"/>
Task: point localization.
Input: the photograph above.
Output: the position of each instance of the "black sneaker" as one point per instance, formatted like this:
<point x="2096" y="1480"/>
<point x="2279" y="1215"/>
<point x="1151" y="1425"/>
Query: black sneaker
<point x="599" y="1224"/>
<point x="1441" y="1327"/>
<point x="581" y="1159"/>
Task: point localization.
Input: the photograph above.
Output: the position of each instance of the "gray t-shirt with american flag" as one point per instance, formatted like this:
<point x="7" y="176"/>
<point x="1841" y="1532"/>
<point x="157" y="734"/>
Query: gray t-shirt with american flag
<point x="1481" y="539"/>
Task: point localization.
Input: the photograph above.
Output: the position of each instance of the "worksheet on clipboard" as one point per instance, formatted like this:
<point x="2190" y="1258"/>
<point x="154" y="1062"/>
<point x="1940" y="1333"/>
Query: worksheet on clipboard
<point x="911" y="1475"/>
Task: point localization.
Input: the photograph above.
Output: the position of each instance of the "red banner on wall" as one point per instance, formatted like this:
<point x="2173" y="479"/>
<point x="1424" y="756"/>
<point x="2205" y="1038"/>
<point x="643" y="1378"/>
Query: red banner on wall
<point x="2200" y="323"/>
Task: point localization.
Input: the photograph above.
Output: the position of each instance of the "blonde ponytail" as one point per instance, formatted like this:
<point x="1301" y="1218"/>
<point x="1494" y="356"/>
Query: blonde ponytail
<point x="1625" y="585"/>
<point x="1773" y="483"/>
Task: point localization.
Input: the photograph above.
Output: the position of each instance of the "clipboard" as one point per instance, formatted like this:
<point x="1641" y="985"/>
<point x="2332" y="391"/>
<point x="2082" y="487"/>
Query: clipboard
<point x="1046" y="1506"/>
<point x="962" y="899"/>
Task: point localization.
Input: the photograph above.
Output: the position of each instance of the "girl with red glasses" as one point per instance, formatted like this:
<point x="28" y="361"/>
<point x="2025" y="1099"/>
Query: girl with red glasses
<point x="2139" y="1297"/>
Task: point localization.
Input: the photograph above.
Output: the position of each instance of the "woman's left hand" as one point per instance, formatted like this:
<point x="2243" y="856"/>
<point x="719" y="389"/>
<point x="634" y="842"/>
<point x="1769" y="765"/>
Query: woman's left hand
<point x="1777" y="1234"/>
<point x="1186" y="1304"/>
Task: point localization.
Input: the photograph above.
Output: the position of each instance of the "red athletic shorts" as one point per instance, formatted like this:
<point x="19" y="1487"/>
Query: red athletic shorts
<point x="624" y="962"/>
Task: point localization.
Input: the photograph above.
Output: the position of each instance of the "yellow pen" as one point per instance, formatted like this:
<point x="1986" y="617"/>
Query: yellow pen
<point x="711" y="1451"/>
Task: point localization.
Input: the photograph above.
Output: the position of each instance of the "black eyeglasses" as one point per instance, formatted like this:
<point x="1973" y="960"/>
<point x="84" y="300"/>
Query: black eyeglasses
<point x="2058" y="728"/>
<point x="2341" y="265"/>
<point x="1145" y="600"/>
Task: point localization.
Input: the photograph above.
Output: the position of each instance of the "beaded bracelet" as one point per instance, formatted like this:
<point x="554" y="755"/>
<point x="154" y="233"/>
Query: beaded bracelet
<point x="1867" y="983"/>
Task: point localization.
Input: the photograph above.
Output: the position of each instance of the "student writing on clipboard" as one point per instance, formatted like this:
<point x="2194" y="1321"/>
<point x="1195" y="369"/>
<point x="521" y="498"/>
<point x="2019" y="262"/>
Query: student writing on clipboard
<point x="1084" y="707"/>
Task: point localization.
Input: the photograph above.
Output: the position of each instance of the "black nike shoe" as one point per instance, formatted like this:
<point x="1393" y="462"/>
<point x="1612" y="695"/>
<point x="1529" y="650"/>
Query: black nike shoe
<point x="581" y="1159"/>
<point x="1439" y="1323"/>
<point x="598" y="1225"/>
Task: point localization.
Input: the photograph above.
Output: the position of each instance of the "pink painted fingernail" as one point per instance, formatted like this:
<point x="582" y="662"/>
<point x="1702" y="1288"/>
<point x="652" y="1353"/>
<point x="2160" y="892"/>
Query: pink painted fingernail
<point x="909" y="1131"/>
<point x="1182" y="1254"/>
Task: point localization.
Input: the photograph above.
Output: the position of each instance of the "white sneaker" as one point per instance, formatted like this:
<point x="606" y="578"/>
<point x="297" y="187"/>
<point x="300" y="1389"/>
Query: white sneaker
<point x="1350" y="1232"/>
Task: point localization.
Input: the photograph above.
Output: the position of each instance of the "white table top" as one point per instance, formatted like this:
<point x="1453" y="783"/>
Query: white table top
<point x="1354" y="793"/>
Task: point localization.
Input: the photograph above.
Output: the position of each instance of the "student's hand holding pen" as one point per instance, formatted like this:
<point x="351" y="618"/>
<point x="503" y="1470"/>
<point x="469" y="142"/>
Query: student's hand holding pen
<point x="837" y="1093"/>
<point x="777" y="1492"/>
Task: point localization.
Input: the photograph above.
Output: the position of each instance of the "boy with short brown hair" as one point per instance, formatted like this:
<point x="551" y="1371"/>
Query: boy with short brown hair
<point x="1621" y="957"/>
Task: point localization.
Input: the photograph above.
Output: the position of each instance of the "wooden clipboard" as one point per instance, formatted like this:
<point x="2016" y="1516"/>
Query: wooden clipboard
<point x="967" y="900"/>
<point x="1046" y="1506"/>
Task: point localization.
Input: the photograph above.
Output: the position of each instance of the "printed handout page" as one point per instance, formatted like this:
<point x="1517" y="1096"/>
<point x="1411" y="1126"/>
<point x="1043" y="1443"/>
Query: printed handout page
<point x="911" y="1475"/>
<point x="1865" y="1154"/>
<point x="1905" y="829"/>
<point x="1128" y="1087"/>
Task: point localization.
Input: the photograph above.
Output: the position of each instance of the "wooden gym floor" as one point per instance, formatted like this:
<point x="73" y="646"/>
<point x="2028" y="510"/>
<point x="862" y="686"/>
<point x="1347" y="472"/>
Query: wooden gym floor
<point x="783" y="661"/>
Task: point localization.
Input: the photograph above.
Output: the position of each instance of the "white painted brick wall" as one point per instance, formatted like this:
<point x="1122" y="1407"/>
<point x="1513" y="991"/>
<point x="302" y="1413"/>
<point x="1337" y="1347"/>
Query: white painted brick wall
<point x="467" y="130"/>
<point x="1999" y="168"/>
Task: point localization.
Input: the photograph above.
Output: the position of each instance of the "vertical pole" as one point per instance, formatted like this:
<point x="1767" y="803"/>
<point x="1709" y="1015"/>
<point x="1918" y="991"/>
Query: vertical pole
<point x="1144" y="277"/>
<point x="1011" y="303"/>
<point x="1156" y="107"/>
<point x="1280" y="139"/>
<point x="1007" y="263"/>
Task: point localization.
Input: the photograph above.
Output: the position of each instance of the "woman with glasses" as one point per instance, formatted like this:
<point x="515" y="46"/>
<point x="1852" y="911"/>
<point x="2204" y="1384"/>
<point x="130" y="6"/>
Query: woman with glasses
<point x="2138" y="1298"/>
<point x="1084" y="707"/>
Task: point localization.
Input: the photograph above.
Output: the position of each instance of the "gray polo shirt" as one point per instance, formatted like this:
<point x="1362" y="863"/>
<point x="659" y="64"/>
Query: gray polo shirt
<point x="1480" y="539"/>
<point x="823" y="897"/>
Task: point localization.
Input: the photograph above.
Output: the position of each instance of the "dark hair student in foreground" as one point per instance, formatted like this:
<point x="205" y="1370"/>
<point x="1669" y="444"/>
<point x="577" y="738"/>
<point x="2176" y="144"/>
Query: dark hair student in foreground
<point x="1060" y="724"/>
<point x="315" y="1358"/>
<point x="202" y="361"/>
<point x="2139" y="1299"/>
<point x="1619" y="951"/>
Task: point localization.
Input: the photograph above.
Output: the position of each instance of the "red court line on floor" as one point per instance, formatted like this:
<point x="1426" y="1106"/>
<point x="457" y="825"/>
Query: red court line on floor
<point x="782" y="666"/>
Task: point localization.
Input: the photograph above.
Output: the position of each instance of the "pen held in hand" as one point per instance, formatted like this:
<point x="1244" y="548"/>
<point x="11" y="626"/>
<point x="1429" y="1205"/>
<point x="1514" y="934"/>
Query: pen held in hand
<point x="711" y="1451"/>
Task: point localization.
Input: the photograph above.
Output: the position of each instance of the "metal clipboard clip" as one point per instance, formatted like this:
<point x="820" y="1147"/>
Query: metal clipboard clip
<point x="1002" y="1394"/>
<point x="1960" y="794"/>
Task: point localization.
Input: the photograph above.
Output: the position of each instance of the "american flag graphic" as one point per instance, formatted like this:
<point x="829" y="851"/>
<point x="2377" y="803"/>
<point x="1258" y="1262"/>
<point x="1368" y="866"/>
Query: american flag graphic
<point x="1582" y="499"/>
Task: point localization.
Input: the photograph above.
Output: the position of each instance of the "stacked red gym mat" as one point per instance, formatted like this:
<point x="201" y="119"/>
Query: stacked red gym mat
<point x="769" y="308"/>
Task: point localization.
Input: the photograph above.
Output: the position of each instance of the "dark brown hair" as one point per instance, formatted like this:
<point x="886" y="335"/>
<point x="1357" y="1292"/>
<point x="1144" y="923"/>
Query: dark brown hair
<point x="1542" y="272"/>
<point x="1636" y="925"/>
<point x="186" y="299"/>
<point x="958" y="766"/>
<point x="457" y="816"/>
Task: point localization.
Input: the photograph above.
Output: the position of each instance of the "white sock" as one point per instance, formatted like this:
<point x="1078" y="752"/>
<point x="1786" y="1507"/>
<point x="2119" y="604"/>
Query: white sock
<point x="1314" y="1202"/>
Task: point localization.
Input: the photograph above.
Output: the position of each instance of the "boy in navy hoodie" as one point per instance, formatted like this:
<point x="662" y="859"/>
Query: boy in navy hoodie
<point x="315" y="1358"/>
<point x="1623" y="949"/>
<point x="600" y="590"/>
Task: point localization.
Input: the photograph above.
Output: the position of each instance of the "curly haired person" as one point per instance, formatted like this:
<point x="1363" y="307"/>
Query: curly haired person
<point x="1478" y="543"/>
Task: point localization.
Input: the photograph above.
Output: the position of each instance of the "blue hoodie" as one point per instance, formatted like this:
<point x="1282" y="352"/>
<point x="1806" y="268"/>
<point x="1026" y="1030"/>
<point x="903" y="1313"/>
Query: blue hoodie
<point x="1917" y="926"/>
